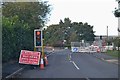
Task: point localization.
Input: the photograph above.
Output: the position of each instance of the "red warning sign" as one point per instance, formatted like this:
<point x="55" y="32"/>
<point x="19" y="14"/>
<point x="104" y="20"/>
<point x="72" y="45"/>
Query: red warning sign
<point x="29" y="57"/>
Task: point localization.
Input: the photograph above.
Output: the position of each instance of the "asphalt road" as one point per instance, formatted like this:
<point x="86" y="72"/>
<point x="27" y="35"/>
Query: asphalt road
<point x="65" y="64"/>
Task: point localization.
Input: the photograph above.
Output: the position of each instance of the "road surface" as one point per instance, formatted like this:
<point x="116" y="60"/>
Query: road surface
<point x="65" y="64"/>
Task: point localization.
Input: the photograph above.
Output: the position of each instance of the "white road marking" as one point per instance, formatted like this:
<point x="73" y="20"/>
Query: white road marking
<point x="112" y="60"/>
<point x="87" y="78"/>
<point x="70" y="57"/>
<point x="49" y="54"/>
<point x="75" y="65"/>
<point x="9" y="76"/>
<point x="70" y="61"/>
<point x="73" y="62"/>
<point x="102" y="58"/>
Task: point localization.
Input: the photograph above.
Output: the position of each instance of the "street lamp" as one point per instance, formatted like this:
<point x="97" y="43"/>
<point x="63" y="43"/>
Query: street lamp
<point x="81" y="36"/>
<point x="65" y="35"/>
<point x="68" y="27"/>
<point x="117" y="14"/>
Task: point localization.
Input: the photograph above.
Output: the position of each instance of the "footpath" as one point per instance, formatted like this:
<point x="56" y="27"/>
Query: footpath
<point x="10" y="67"/>
<point x="105" y="57"/>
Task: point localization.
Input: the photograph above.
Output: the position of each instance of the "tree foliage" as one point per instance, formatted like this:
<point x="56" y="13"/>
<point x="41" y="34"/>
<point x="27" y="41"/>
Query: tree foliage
<point x="14" y="37"/>
<point x="18" y="23"/>
<point x="34" y="13"/>
<point x="69" y="31"/>
<point x="117" y="42"/>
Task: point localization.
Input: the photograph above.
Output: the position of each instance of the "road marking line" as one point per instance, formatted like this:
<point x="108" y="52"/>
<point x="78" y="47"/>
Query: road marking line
<point x="49" y="54"/>
<point x="75" y="65"/>
<point x="70" y="61"/>
<point x="70" y="57"/>
<point x="87" y="78"/>
<point x="111" y="60"/>
<point x="14" y="73"/>
<point x="102" y="58"/>
<point x="73" y="62"/>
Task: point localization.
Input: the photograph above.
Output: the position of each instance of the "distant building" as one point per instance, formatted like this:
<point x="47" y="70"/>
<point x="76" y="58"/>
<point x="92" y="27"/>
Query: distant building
<point x="102" y="42"/>
<point x="104" y="37"/>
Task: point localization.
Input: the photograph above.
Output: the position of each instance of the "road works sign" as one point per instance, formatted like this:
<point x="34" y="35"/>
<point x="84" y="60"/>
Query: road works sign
<point x="29" y="57"/>
<point x="74" y="49"/>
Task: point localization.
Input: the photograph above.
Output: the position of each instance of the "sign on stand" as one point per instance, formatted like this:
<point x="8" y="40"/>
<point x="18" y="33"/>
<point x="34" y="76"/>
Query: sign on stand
<point x="75" y="49"/>
<point x="29" y="57"/>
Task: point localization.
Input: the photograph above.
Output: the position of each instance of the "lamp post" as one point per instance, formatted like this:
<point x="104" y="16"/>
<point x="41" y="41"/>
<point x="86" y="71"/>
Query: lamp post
<point x="81" y="36"/>
<point x="117" y="14"/>
<point x="119" y="18"/>
<point x="107" y="35"/>
<point x="66" y="33"/>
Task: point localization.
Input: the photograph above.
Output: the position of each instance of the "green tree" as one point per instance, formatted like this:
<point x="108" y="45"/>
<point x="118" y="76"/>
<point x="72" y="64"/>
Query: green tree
<point x="70" y="32"/>
<point x="13" y="35"/>
<point x="117" y="42"/>
<point x="34" y="13"/>
<point x="83" y="31"/>
<point x="19" y="21"/>
<point x="61" y="24"/>
<point x="67" y="22"/>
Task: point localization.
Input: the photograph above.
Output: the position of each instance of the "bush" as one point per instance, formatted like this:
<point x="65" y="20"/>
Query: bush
<point x="15" y="37"/>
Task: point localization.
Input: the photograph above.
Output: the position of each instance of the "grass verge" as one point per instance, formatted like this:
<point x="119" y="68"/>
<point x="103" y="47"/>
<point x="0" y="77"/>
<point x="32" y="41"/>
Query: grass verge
<point x="113" y="53"/>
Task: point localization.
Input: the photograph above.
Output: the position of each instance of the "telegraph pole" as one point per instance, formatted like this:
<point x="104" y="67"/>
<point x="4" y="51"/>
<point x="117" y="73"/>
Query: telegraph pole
<point x="118" y="19"/>
<point x="107" y="35"/>
<point x="117" y="14"/>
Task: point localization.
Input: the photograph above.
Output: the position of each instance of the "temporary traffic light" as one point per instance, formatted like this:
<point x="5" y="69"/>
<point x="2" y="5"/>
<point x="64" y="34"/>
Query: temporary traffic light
<point x="37" y="38"/>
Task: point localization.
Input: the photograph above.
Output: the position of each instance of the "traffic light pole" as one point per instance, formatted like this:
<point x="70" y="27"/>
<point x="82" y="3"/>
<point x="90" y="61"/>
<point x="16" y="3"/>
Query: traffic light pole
<point x="42" y="45"/>
<point x="42" y="49"/>
<point x="34" y="48"/>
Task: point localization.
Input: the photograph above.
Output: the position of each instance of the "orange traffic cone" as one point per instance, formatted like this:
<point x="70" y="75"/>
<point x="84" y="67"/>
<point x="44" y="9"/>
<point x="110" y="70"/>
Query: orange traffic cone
<point x="46" y="60"/>
<point x="41" y="64"/>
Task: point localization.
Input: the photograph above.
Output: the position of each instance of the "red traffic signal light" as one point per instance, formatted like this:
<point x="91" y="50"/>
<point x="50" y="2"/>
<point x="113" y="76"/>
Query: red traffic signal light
<point x="37" y="32"/>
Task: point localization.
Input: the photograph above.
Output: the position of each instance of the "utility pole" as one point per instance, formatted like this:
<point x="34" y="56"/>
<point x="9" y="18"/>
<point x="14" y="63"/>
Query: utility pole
<point x="118" y="19"/>
<point x="117" y="14"/>
<point x="107" y="35"/>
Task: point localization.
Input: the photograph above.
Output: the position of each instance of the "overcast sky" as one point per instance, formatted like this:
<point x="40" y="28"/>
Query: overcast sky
<point x="97" y="13"/>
